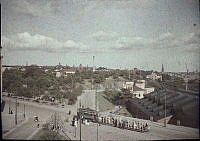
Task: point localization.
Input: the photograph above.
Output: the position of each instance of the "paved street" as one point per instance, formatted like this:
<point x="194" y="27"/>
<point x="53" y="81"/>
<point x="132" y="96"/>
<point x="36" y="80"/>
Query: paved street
<point x="89" y="132"/>
<point x="23" y="131"/>
<point x="31" y="110"/>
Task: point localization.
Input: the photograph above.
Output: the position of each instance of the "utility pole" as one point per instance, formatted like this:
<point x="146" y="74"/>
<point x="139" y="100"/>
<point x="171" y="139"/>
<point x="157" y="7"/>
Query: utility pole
<point x="96" y="110"/>
<point x="16" y="113"/>
<point x="80" y="120"/>
<point x="9" y="110"/>
<point x="165" y="111"/>
<point x="24" y="110"/>
<point x="1" y="57"/>
<point x="75" y="131"/>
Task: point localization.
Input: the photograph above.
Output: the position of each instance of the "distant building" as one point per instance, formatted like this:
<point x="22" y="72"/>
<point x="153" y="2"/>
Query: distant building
<point x="58" y="74"/>
<point x="24" y="85"/>
<point x="128" y="85"/>
<point x="154" y="76"/>
<point x="6" y="67"/>
<point x="66" y="72"/>
<point x="138" y="89"/>
<point x="23" y="69"/>
<point x="135" y="71"/>
<point x="102" y="69"/>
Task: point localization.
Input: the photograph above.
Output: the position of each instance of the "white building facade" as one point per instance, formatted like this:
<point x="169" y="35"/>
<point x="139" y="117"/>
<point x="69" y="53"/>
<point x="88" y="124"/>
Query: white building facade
<point x="138" y="88"/>
<point x="154" y="76"/>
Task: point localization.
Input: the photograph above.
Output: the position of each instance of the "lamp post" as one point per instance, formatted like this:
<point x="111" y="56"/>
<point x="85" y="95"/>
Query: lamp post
<point x="165" y="110"/>
<point x="16" y="113"/>
<point x="24" y="111"/>
<point x="80" y="126"/>
<point x="80" y="118"/>
<point x="1" y="57"/>
<point x="9" y="108"/>
<point x="96" y="109"/>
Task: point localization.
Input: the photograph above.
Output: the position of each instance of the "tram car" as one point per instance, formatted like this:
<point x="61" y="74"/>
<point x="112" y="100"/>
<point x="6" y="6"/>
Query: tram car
<point x="87" y="114"/>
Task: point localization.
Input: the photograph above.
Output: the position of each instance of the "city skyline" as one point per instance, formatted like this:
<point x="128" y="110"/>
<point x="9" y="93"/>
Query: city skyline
<point x="120" y="34"/>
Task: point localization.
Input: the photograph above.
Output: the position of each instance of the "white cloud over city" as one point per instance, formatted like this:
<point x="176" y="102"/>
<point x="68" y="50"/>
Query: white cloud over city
<point x="26" y="41"/>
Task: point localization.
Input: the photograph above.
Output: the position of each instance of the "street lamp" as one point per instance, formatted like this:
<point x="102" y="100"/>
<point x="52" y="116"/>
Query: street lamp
<point x="1" y="57"/>
<point x="165" y="110"/>
<point x="96" y="107"/>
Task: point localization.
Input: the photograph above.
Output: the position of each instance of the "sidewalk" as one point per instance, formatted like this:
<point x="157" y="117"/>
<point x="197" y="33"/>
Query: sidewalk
<point x="22" y="131"/>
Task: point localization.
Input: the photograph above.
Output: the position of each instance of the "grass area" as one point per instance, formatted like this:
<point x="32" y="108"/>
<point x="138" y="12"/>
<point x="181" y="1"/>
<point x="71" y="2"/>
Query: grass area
<point x="123" y="111"/>
<point x="45" y="134"/>
<point x="104" y="104"/>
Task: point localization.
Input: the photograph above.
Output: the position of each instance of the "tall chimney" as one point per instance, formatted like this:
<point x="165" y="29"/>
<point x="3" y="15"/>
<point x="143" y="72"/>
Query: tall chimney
<point x="93" y="64"/>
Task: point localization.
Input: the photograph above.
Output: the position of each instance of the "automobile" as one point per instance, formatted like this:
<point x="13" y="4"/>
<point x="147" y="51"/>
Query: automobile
<point x="26" y="99"/>
<point x="21" y="98"/>
<point x="14" y="96"/>
<point x="35" y="100"/>
<point x="44" y="102"/>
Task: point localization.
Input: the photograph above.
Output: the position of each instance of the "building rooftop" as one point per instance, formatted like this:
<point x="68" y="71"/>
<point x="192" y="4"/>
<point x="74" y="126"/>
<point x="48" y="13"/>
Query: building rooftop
<point x="153" y="104"/>
<point x="135" y="88"/>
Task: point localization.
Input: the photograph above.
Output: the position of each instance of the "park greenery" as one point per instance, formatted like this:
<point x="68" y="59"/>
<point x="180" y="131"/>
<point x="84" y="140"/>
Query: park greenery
<point x="34" y="82"/>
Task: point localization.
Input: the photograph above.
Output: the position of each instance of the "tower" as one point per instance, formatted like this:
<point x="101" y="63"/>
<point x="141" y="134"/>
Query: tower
<point x="162" y="69"/>
<point x="93" y="64"/>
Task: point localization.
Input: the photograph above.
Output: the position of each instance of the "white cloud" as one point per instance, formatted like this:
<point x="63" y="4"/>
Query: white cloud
<point x="125" y="43"/>
<point x="191" y="42"/>
<point x="26" y="41"/>
<point x="105" y="36"/>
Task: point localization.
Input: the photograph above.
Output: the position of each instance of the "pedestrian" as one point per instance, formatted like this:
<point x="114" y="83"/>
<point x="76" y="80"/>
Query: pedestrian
<point x="69" y="112"/>
<point x="38" y="125"/>
<point x="73" y="122"/>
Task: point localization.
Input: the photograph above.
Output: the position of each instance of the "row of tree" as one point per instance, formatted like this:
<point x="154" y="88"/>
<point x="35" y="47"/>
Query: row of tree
<point x="35" y="82"/>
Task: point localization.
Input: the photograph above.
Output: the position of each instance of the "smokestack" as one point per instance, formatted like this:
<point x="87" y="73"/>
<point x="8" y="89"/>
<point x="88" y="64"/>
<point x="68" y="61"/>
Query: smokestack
<point x="93" y="64"/>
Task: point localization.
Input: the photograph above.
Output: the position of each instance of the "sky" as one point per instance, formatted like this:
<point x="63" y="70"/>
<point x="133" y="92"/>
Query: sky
<point x="121" y="34"/>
